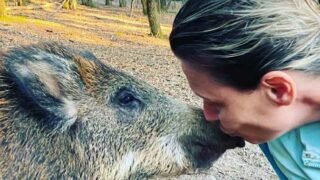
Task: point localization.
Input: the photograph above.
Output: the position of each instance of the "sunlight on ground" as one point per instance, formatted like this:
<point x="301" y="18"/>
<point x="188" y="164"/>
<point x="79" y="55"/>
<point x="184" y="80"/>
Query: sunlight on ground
<point x="70" y="33"/>
<point x="102" y="25"/>
<point x="121" y="18"/>
<point x="25" y="20"/>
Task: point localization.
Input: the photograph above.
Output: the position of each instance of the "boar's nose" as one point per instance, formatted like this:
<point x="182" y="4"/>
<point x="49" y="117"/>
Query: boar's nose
<point x="236" y="142"/>
<point x="229" y="142"/>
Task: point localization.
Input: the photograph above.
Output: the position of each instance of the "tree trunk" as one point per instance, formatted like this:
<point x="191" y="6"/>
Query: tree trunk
<point x="108" y="2"/>
<point x="131" y="8"/>
<point x="70" y="4"/>
<point x="154" y="18"/>
<point x="122" y="3"/>
<point x="163" y="5"/>
<point x="144" y="7"/>
<point x="168" y="5"/>
<point x="158" y="5"/>
<point x="3" y="11"/>
<point x="22" y="2"/>
<point x="87" y="3"/>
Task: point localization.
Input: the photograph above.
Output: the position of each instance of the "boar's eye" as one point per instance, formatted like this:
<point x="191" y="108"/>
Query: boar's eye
<point x="126" y="98"/>
<point x="128" y="104"/>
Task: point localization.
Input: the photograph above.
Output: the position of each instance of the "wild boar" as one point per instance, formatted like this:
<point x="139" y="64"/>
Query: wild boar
<point x="66" y="115"/>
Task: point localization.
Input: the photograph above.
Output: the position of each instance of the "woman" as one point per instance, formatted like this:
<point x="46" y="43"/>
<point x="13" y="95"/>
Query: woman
<point x="256" y="65"/>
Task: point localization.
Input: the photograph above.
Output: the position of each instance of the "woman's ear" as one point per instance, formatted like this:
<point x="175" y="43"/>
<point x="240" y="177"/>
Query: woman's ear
<point x="280" y="87"/>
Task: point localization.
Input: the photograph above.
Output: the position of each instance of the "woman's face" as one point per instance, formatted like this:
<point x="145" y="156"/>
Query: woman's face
<point x="250" y="114"/>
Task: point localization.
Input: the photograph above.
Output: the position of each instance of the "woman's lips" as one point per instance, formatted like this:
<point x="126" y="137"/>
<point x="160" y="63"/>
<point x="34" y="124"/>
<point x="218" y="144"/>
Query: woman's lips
<point x="229" y="132"/>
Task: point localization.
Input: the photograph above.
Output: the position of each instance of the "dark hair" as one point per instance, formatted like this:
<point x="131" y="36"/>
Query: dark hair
<point x="238" y="41"/>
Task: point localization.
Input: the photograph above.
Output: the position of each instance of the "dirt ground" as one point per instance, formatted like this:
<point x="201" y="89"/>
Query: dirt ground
<point x="123" y="42"/>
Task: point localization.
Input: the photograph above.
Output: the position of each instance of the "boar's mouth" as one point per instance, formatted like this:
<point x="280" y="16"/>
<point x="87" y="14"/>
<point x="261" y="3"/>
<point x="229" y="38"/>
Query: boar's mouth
<point x="202" y="152"/>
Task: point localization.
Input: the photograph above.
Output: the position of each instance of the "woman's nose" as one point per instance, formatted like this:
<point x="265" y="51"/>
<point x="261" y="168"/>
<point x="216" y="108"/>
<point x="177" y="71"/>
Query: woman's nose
<point x="211" y="112"/>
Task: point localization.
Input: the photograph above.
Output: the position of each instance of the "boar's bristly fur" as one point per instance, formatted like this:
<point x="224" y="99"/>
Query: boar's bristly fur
<point x="66" y="115"/>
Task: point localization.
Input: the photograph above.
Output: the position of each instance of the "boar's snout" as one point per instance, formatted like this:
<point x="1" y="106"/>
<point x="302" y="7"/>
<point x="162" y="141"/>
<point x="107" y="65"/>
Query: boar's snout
<point x="208" y="143"/>
<point x="203" y="152"/>
<point x="236" y="142"/>
<point x="227" y="141"/>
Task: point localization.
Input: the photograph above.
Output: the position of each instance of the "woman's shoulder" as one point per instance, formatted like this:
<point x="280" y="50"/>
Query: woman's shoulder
<point x="298" y="151"/>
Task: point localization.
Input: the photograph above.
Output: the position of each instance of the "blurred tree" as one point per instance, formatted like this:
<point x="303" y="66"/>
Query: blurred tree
<point x="131" y="7"/>
<point x="3" y="11"/>
<point x="163" y="5"/>
<point x="144" y="6"/>
<point x="122" y="3"/>
<point x="21" y="2"/>
<point x="70" y="4"/>
<point x="154" y="18"/>
<point x="108" y="2"/>
<point x="168" y="5"/>
<point x="87" y="3"/>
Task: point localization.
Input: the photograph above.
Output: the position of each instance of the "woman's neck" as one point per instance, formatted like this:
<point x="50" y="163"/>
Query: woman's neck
<point x="307" y="101"/>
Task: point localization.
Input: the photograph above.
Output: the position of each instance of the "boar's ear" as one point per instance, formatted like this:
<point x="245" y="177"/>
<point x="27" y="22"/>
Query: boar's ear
<point x="38" y="84"/>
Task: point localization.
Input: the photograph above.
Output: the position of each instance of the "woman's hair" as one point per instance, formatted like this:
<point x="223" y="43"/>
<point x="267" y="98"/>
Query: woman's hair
<point x="238" y="41"/>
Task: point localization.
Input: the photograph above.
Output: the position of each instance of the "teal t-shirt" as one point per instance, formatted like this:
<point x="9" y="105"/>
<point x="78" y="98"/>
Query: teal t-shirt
<point x="297" y="153"/>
